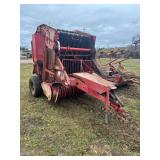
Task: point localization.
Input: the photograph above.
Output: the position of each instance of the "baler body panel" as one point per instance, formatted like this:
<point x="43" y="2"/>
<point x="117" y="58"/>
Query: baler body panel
<point x="37" y="47"/>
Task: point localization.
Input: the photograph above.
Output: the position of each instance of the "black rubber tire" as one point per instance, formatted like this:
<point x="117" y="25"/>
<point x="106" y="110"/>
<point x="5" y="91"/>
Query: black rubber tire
<point x="35" y="86"/>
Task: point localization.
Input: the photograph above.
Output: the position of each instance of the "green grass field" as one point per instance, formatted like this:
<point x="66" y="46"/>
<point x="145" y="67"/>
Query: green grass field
<point x="75" y="125"/>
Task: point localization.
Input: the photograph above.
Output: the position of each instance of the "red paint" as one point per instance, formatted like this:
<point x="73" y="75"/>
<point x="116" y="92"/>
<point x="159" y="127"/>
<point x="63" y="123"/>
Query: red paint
<point x="74" y="49"/>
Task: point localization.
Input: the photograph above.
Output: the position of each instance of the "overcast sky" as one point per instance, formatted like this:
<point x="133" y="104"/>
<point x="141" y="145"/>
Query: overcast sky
<point x="113" y="25"/>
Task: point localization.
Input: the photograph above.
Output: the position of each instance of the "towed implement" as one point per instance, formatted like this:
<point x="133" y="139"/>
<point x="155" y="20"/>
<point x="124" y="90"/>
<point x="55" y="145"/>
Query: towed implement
<point x="64" y="65"/>
<point x="116" y="73"/>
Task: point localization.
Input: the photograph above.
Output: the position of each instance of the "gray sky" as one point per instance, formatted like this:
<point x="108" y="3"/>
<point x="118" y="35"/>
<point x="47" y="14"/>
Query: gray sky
<point x="113" y="25"/>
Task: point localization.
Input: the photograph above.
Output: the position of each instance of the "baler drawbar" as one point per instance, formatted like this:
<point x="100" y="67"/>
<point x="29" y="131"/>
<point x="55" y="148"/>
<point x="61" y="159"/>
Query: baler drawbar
<point x="64" y="65"/>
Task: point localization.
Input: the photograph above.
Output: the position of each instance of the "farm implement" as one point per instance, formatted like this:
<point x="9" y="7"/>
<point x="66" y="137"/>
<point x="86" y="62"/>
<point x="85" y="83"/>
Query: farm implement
<point x="117" y="74"/>
<point x="64" y="65"/>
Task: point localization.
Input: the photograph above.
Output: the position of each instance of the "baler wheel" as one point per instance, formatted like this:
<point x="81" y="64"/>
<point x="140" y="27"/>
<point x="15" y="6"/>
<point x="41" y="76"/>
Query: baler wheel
<point x="35" y="86"/>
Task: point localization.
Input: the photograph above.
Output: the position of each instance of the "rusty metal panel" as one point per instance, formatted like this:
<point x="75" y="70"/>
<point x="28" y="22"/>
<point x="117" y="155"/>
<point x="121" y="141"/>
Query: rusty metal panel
<point x="93" y="77"/>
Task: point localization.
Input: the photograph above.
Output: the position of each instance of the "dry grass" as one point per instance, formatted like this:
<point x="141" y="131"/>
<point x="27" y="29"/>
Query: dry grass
<point x="75" y="125"/>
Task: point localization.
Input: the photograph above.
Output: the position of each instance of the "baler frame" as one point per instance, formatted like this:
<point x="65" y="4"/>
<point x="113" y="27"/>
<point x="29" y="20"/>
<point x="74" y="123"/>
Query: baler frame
<point x="57" y="75"/>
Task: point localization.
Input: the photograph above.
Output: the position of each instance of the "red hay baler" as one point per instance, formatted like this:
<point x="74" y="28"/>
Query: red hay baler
<point x="64" y="65"/>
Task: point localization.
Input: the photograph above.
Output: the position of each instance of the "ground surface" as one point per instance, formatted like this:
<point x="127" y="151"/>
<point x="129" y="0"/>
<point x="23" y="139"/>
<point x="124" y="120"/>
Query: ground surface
<point x="25" y="61"/>
<point x="75" y="125"/>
